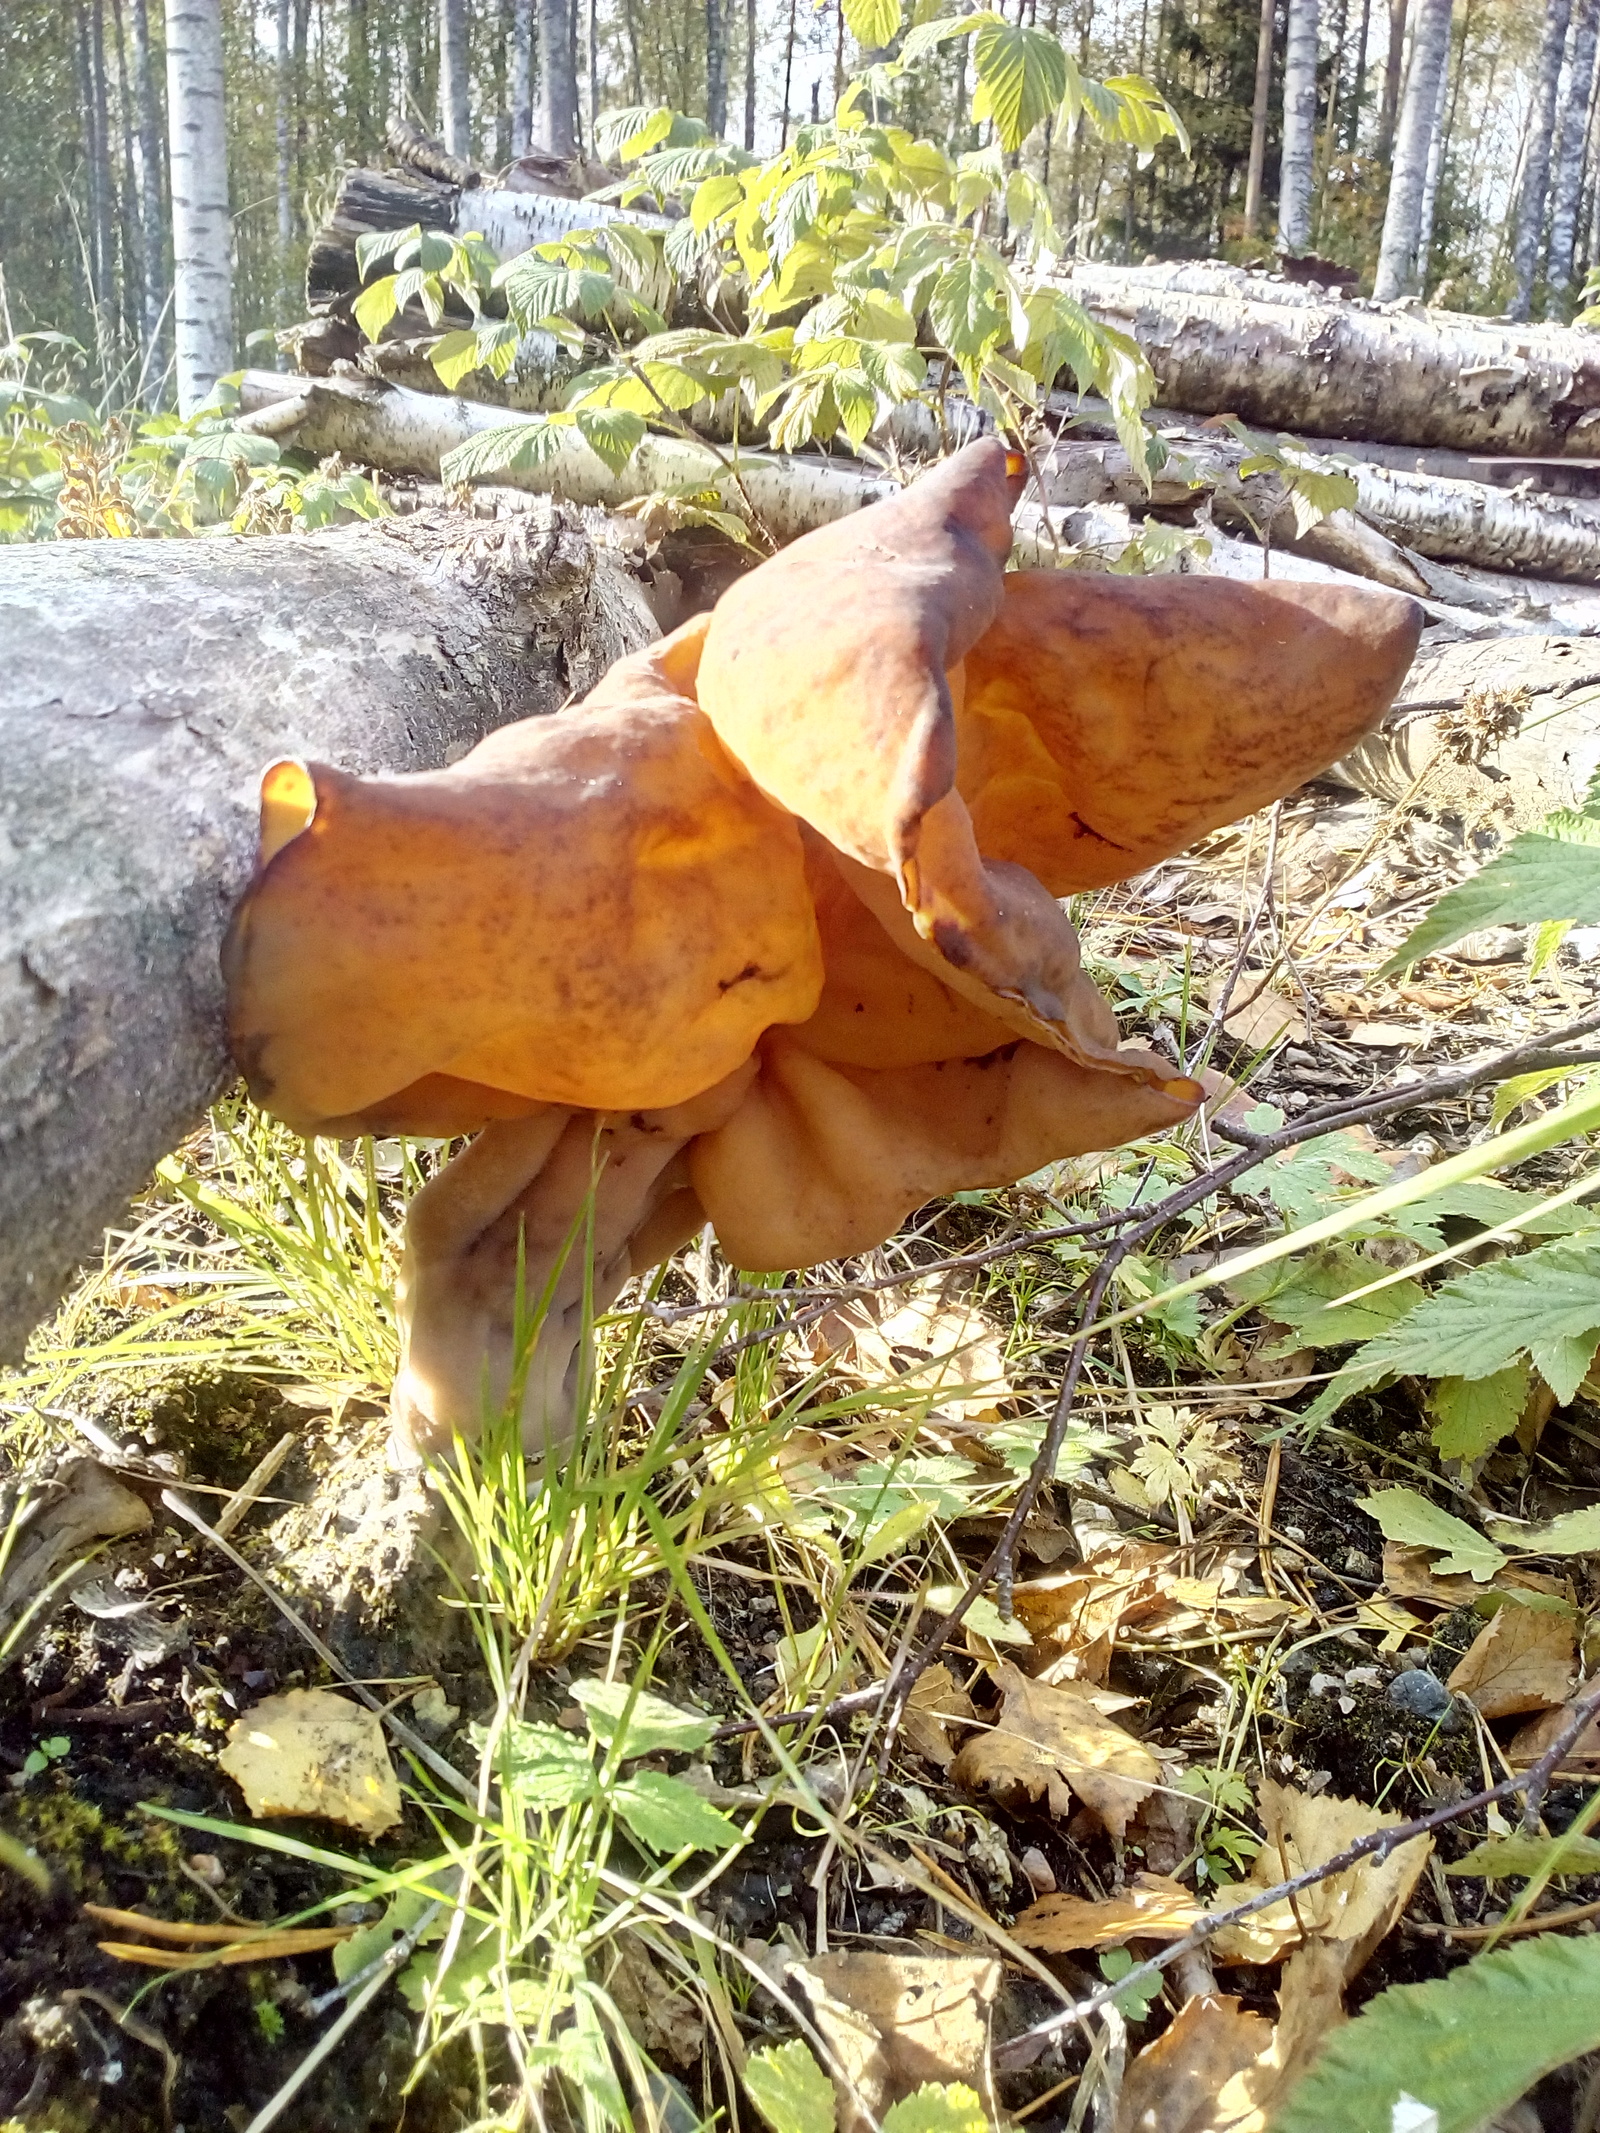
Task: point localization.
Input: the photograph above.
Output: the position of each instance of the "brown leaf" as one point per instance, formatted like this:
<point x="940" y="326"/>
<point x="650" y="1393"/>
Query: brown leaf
<point x="931" y="1339"/>
<point x="1178" y="2083"/>
<point x="1406" y="1574"/>
<point x="1152" y="1907"/>
<point x="1582" y="1759"/>
<point x="894" y="2022"/>
<point x="662" y="2018"/>
<point x="1521" y="1660"/>
<point x="1261" y="1019"/>
<point x="936" y="1704"/>
<point x="310" y="1752"/>
<point x="1354" y="1908"/>
<point x="1053" y="1742"/>
<point x="84" y="1503"/>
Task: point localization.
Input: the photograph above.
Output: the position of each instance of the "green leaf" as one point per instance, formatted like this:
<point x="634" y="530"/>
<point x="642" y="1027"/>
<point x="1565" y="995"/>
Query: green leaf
<point x="584" y="2057"/>
<point x="966" y="310"/>
<point x="1526" y="1857"/>
<point x="455" y="356"/>
<point x="363" y="1949"/>
<point x="545" y="1766"/>
<point x="1537" y="877"/>
<point x="1471" y="1414"/>
<point x="637" y="1723"/>
<point x="873" y="23"/>
<point x="613" y="434"/>
<point x="1467" y="2045"/>
<point x="1545" y="1302"/>
<point x="1573" y="1533"/>
<point x="380" y="244"/>
<point x="1305" y="1297"/>
<point x="667" y="1815"/>
<point x="1315" y="494"/>
<point x="789" y="2089"/>
<point x="376" y="305"/>
<point x="507" y="448"/>
<point x="714" y="197"/>
<point x="1405" y="1516"/>
<point x="938" y="2107"/>
<point x="1021" y="77"/>
<point x="1512" y="1094"/>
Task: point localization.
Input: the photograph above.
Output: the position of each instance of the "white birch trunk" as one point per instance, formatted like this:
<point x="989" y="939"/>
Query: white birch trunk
<point x="1299" y="127"/>
<point x="1530" y="207"/>
<point x="202" y="234"/>
<point x="1571" y="142"/>
<point x="1402" y="218"/>
<point x="143" y="688"/>
<point x="521" y="70"/>
<point x="454" y="100"/>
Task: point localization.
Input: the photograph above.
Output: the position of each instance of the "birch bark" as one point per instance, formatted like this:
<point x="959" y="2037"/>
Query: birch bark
<point x="1571" y="143"/>
<point x="454" y="100"/>
<point x="1299" y="127"/>
<point x="1402" y="219"/>
<point x="1528" y="226"/>
<point x="202" y="232"/>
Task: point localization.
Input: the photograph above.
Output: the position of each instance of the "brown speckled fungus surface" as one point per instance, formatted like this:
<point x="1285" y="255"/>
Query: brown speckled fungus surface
<point x="765" y="932"/>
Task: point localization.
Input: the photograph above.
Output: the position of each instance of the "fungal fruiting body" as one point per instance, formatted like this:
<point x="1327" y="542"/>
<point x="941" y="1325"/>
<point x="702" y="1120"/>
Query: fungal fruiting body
<point x="766" y="931"/>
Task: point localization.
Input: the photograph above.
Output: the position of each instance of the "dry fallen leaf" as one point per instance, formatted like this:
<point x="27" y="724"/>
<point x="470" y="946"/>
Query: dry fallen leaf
<point x="1386" y="1036"/>
<point x="932" y="1339"/>
<point x="935" y="1705"/>
<point x="1151" y="1907"/>
<point x="83" y="1504"/>
<point x="1407" y="1576"/>
<point x="1052" y="1742"/>
<point x="1198" y="2075"/>
<point x="661" y="2018"/>
<point x="1263" y="1020"/>
<point x="894" y="2022"/>
<point x="310" y="1752"/>
<point x="1582" y="1759"/>
<point x="1354" y="1908"/>
<point x="1521" y="1660"/>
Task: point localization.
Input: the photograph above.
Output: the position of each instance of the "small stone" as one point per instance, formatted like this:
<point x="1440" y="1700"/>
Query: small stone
<point x="1421" y="1693"/>
<point x="1039" y="1871"/>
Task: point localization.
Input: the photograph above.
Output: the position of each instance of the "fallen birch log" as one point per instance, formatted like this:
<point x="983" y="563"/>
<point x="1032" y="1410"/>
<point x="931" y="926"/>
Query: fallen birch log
<point x="1392" y="373"/>
<point x="143" y="687"/>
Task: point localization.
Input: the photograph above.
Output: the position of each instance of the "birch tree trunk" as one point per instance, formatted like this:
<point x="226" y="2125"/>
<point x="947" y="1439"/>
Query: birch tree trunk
<point x="750" y="77"/>
<point x="555" y="124"/>
<point x="1402" y="217"/>
<point x="150" y="215"/>
<point x="1299" y="127"/>
<point x="201" y="229"/>
<point x="1529" y="222"/>
<point x="521" y="69"/>
<point x="454" y="100"/>
<point x="1571" y="143"/>
<point x="143" y="689"/>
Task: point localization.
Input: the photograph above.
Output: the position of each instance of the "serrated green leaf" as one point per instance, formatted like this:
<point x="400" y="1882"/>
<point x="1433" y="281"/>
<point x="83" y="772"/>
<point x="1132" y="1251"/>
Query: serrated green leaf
<point x="1021" y="77"/>
<point x="507" y="448"/>
<point x="1315" y="494"/>
<point x="1573" y="1533"/>
<point x="1526" y="1857"/>
<point x="1471" y="1414"/>
<point x="714" y="197"/>
<point x="455" y="356"/>
<point x="547" y="1768"/>
<point x="873" y="23"/>
<point x="1545" y="1302"/>
<point x="789" y="2089"/>
<point x="582" y="2054"/>
<point x="938" y="2107"/>
<point x="1305" y="1297"/>
<point x="613" y="434"/>
<point x="376" y="305"/>
<point x="966" y="311"/>
<point x="667" y="1815"/>
<point x="1403" y="1515"/>
<point x="1537" y="877"/>
<point x="1467" y="2045"/>
<point x="1512" y="1094"/>
<point x="379" y="244"/>
<point x="638" y="1723"/>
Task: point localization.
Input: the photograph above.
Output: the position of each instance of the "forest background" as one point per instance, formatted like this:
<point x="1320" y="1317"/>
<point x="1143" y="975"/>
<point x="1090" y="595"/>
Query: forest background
<point x="1510" y="202"/>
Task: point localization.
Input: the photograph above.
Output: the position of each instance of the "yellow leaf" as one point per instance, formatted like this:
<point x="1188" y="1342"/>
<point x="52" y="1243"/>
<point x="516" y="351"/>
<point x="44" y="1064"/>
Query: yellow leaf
<point x="1521" y="1660"/>
<point x="1152" y="1907"/>
<point x="311" y="1752"/>
<point x="1052" y="1742"/>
